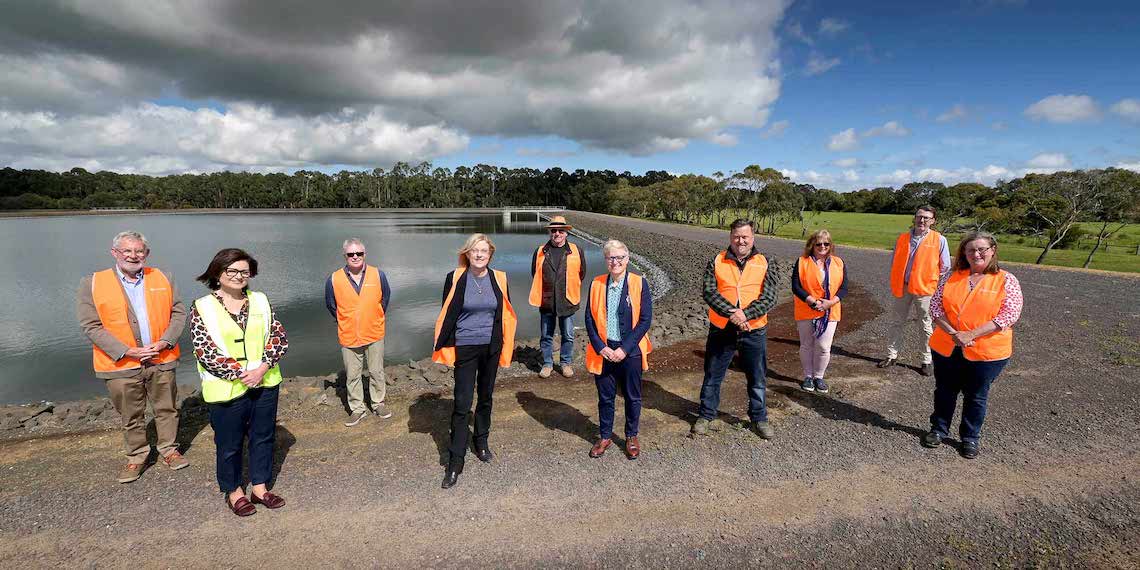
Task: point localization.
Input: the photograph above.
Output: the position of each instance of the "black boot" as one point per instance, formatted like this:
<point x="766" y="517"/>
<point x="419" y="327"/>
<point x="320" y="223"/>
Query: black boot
<point x="451" y="476"/>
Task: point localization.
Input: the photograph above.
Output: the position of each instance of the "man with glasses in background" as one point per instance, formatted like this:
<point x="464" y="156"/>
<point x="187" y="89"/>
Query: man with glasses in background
<point x="557" y="269"/>
<point x="133" y="316"/>
<point x="920" y="257"/>
<point x="357" y="296"/>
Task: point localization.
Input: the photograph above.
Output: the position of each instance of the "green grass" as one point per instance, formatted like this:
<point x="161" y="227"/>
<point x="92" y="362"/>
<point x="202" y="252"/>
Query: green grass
<point x="881" y="230"/>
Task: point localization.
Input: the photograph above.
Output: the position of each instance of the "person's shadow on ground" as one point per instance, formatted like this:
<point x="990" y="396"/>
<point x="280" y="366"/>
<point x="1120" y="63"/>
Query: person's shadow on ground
<point x="556" y="415"/>
<point x="283" y="443"/>
<point x="838" y="410"/>
<point x="431" y="414"/>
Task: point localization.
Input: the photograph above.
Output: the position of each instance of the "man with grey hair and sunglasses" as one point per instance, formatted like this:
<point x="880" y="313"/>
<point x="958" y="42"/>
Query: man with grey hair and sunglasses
<point x="133" y="316"/>
<point x="357" y="296"/>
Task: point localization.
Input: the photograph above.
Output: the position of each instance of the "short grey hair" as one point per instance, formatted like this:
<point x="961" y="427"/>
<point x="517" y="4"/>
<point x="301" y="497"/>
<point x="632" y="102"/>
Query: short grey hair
<point x="611" y="245"/>
<point x="131" y="235"/>
<point x="352" y="241"/>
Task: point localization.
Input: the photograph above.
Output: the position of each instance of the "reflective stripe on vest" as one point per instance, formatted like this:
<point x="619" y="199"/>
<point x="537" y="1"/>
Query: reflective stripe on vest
<point x="740" y="287"/>
<point x="446" y="355"/>
<point x="113" y="308"/>
<point x="598" y="310"/>
<point x="359" y="316"/>
<point x="967" y="310"/>
<point x="246" y="346"/>
<point x="923" y="272"/>
<point x="573" y="276"/>
<point x="811" y="279"/>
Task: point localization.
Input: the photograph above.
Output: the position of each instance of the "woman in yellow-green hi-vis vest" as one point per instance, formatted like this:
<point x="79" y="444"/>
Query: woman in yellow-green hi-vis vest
<point x="238" y="342"/>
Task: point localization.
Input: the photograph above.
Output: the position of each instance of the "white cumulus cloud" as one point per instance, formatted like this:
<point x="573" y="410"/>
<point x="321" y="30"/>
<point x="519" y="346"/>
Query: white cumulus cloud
<point x="777" y="130"/>
<point x="155" y="139"/>
<point x="1064" y="109"/>
<point x="1047" y="163"/>
<point x="888" y="129"/>
<point x="832" y="26"/>
<point x="818" y="64"/>
<point x="843" y="140"/>
<point x="955" y="113"/>
<point x="845" y="162"/>
<point x="1127" y="108"/>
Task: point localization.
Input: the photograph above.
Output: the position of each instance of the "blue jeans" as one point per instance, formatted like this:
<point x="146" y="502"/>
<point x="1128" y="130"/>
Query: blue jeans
<point x="955" y="374"/>
<point x="546" y="342"/>
<point x="720" y="347"/>
<point x="254" y="414"/>
<point x="624" y="376"/>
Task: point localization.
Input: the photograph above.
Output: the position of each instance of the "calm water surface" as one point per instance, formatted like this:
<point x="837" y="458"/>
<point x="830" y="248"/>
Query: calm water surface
<point x="45" y="356"/>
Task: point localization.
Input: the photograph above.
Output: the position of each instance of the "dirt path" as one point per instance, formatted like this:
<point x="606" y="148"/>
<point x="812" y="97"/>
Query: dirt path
<point x="844" y="484"/>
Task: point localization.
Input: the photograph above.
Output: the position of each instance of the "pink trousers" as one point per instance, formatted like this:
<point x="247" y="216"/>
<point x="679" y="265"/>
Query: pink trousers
<point x="815" y="353"/>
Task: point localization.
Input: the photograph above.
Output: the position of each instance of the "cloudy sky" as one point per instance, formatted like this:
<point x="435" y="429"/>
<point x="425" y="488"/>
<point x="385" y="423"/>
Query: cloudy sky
<point x="839" y="94"/>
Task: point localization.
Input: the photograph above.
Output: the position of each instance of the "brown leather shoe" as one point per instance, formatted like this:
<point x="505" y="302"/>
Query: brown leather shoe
<point x="600" y="448"/>
<point x="632" y="447"/>
<point x="270" y="500"/>
<point x="131" y="472"/>
<point x="242" y="508"/>
<point x="175" y="461"/>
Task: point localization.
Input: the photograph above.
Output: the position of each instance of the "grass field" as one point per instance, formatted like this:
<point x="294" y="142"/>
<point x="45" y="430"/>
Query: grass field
<point x="881" y="230"/>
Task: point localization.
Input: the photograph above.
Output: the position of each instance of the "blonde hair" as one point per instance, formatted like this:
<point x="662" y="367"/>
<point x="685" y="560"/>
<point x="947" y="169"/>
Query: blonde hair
<point x="814" y="238"/>
<point x="612" y="245"/>
<point x="472" y="240"/>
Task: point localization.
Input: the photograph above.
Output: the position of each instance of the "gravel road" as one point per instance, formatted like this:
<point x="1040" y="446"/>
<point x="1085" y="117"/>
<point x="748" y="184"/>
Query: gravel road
<point x="844" y="483"/>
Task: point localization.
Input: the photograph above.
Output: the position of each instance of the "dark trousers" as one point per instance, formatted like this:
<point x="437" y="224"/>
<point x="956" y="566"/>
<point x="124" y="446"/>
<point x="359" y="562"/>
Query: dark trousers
<point x="254" y="414"/>
<point x="720" y="347"/>
<point x="474" y="366"/>
<point x="624" y="376"/>
<point x="954" y="375"/>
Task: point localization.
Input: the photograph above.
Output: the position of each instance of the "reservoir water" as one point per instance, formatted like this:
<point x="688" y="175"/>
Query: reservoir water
<point x="45" y="356"/>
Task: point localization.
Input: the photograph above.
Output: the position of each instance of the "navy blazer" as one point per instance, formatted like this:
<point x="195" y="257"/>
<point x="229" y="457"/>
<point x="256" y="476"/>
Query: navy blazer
<point x="631" y="333"/>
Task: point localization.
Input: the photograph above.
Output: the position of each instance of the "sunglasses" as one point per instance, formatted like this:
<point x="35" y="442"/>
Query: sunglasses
<point x="557" y="231"/>
<point x="354" y="254"/>
<point x="823" y="244"/>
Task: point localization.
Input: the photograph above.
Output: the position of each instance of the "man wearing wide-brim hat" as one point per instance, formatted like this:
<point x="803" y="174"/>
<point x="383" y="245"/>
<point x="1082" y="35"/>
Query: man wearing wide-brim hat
<point x="557" y="270"/>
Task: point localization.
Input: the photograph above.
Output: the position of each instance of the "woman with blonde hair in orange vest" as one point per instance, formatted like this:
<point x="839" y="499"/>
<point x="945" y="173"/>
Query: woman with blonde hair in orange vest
<point x="619" y="311"/>
<point x="475" y="333"/>
<point x="975" y="307"/>
<point x="819" y="283"/>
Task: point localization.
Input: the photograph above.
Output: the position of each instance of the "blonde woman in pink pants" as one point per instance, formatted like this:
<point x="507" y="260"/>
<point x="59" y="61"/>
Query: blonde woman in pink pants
<point x="819" y="284"/>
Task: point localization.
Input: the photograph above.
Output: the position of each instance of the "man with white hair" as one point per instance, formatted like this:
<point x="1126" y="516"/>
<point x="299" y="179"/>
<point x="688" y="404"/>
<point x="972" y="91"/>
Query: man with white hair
<point x="357" y="295"/>
<point x="134" y="316"/>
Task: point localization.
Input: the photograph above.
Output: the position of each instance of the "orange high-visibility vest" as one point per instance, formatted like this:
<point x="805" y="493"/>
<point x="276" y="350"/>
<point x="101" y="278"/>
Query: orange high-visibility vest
<point x="924" y="272"/>
<point x="811" y="279"/>
<point x="112" y="305"/>
<point x="967" y="310"/>
<point x="359" y="317"/>
<point x="598" y="310"/>
<point x="573" y="276"/>
<point x="446" y="355"/>
<point x="740" y="287"/>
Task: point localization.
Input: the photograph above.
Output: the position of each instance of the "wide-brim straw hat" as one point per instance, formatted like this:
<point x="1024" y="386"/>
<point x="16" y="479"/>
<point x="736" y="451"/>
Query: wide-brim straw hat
<point x="558" y="223"/>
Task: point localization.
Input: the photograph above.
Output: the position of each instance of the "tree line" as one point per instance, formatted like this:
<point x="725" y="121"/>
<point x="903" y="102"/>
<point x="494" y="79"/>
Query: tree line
<point x="1047" y="206"/>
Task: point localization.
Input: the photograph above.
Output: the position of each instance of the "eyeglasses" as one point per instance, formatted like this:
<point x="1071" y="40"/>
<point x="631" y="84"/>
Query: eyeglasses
<point x="823" y="244"/>
<point x="132" y="252"/>
<point x="354" y="254"/>
<point x="557" y="231"/>
<point x="979" y="251"/>
<point x="924" y="218"/>
<point x="238" y="273"/>
<point x="617" y="258"/>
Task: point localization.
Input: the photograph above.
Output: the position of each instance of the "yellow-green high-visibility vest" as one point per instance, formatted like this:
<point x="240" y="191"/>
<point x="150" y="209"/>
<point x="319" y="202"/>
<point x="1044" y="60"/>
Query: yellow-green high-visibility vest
<point x="247" y="347"/>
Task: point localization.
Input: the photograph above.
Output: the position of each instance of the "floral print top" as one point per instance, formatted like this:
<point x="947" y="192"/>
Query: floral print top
<point x="212" y="359"/>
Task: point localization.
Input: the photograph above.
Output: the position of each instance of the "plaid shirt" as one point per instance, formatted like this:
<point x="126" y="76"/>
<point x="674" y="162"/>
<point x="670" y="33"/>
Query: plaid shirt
<point x="723" y="307"/>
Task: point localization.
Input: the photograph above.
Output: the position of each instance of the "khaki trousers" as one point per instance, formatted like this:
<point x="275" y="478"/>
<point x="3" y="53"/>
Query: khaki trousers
<point x="130" y="395"/>
<point x="901" y="314"/>
<point x="353" y="368"/>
